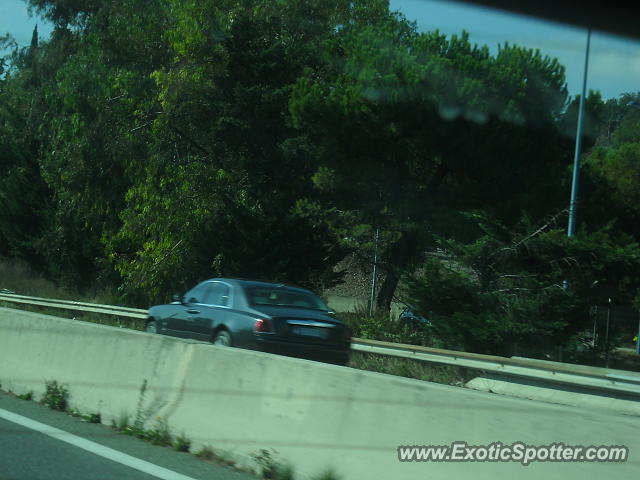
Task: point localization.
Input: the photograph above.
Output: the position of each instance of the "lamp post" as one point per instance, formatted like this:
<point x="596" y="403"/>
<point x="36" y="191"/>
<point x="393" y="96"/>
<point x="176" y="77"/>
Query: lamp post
<point x="374" y="276"/>
<point x="576" y="157"/>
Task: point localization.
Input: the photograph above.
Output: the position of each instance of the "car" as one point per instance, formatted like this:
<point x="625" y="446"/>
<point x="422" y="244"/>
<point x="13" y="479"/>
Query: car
<point x="256" y="315"/>
<point x="409" y="318"/>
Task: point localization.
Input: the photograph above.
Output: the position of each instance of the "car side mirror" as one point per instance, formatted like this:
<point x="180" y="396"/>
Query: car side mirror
<point x="177" y="297"/>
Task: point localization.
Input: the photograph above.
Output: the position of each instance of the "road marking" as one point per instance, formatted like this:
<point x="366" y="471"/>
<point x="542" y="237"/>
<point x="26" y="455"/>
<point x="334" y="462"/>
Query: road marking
<point x="95" y="448"/>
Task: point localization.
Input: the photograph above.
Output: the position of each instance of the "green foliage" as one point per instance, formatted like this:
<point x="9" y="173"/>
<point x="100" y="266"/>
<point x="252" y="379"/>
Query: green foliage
<point x="92" y="418"/>
<point x="327" y="475"/>
<point x="611" y="170"/>
<point x="205" y="453"/>
<point x="208" y="453"/>
<point x="406" y="129"/>
<point x="149" y="145"/>
<point x="56" y="396"/>
<point x="24" y="196"/>
<point x="182" y="443"/>
<point x="381" y="327"/>
<point x="531" y="285"/>
<point x="159" y="434"/>
<point x="270" y="468"/>
<point x="26" y="396"/>
<point x="87" y="417"/>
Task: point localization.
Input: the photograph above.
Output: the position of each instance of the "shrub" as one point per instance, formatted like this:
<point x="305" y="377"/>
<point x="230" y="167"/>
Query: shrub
<point x="56" y="396"/>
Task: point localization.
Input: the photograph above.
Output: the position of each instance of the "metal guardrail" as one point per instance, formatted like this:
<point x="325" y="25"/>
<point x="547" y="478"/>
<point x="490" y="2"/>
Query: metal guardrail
<point x="580" y="377"/>
<point x="577" y="376"/>
<point x="79" y="306"/>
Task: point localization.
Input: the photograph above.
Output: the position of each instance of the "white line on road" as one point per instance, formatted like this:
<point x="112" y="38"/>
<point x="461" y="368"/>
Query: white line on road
<point x="95" y="448"/>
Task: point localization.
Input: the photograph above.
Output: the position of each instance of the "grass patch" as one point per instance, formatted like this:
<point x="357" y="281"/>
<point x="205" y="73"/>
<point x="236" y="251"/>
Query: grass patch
<point x="56" y="397"/>
<point x="209" y="454"/>
<point x="406" y="367"/>
<point x="17" y="277"/>
<point x="87" y="417"/>
<point x="26" y="396"/>
<point x="327" y="475"/>
<point x="270" y="468"/>
<point x="92" y="417"/>
<point x="182" y="443"/>
<point x="158" y="435"/>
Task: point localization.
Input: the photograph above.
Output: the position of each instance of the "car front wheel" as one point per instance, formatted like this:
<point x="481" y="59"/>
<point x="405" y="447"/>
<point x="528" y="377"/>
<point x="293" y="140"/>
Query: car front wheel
<point x="151" y="327"/>
<point x="222" y="337"/>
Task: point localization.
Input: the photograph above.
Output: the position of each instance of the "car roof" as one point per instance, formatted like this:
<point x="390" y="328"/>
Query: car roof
<point x="258" y="283"/>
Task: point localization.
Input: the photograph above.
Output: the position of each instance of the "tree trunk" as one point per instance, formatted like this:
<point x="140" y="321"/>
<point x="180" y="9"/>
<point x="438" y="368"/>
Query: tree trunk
<point x="402" y="254"/>
<point x="406" y="250"/>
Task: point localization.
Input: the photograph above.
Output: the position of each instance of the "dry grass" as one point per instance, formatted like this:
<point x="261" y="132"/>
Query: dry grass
<point x="17" y="277"/>
<point x="405" y="367"/>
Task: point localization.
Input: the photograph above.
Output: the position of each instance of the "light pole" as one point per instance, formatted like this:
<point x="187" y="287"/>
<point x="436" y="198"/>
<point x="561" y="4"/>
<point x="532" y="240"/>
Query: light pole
<point x="576" y="157"/>
<point x="374" y="276"/>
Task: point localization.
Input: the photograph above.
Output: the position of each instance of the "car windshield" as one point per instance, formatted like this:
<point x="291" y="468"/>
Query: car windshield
<point x="283" y="297"/>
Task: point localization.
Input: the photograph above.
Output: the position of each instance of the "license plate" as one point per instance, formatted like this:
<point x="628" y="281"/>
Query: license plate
<point x="310" y="332"/>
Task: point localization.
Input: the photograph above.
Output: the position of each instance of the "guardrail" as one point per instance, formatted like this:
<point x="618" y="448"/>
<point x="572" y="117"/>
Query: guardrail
<point x="580" y="377"/>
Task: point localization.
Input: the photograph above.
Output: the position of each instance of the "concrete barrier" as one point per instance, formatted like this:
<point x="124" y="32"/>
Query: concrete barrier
<point x="314" y="415"/>
<point x="564" y="395"/>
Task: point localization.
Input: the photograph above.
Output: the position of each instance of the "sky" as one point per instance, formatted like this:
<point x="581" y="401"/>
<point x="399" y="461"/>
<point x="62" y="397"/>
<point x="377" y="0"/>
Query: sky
<point x="614" y="62"/>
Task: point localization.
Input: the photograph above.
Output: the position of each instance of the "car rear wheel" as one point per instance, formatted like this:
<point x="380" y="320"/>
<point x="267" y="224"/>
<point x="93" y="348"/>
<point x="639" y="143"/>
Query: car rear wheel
<point x="151" y="327"/>
<point x="222" y="337"/>
<point x="341" y="360"/>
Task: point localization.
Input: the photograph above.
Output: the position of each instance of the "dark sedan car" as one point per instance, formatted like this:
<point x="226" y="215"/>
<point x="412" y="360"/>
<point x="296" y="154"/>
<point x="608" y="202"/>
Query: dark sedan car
<point x="255" y="315"/>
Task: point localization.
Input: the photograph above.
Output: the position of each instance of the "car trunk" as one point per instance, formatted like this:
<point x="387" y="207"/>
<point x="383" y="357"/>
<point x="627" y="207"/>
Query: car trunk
<point x="303" y="325"/>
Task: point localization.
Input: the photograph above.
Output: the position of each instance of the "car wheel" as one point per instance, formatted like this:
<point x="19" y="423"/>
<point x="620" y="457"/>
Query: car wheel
<point x="342" y="360"/>
<point x="222" y="337"/>
<point x="151" y="327"/>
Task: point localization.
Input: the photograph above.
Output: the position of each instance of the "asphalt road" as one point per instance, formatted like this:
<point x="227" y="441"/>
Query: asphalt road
<point x="37" y="443"/>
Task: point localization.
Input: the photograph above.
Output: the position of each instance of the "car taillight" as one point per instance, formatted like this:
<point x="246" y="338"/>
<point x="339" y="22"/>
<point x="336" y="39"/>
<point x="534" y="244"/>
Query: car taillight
<point x="262" y="325"/>
<point x="346" y="334"/>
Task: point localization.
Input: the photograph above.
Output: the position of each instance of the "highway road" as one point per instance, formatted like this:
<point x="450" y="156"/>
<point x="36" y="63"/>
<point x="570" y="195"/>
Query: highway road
<point x="37" y="443"/>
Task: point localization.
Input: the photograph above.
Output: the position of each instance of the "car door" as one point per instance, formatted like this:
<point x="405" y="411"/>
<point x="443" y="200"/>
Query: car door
<point x="179" y="324"/>
<point x="213" y="310"/>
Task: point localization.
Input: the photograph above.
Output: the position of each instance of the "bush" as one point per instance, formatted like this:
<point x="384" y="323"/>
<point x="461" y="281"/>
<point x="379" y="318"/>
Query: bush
<point x="56" y="396"/>
<point x="182" y="443"/>
<point x="381" y="327"/>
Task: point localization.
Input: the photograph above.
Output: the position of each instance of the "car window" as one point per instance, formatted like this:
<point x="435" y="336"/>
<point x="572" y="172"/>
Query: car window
<point x="284" y="298"/>
<point x="218" y="294"/>
<point x="197" y="293"/>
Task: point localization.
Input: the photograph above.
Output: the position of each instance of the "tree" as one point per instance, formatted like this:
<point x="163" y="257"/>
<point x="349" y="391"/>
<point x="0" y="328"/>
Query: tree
<point x="509" y="286"/>
<point x="25" y="199"/>
<point x="230" y="164"/>
<point x="409" y="129"/>
<point x="610" y="182"/>
<point x="96" y="98"/>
